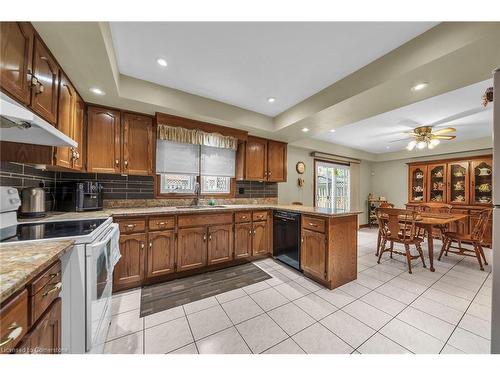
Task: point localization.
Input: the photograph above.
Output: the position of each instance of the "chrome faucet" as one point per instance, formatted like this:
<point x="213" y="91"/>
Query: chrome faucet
<point x="197" y="191"/>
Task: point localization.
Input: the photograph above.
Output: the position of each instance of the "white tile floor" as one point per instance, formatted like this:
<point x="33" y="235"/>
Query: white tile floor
<point x="386" y="310"/>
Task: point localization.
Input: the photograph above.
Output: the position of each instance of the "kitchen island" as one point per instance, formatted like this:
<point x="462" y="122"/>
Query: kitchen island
<point x="164" y="243"/>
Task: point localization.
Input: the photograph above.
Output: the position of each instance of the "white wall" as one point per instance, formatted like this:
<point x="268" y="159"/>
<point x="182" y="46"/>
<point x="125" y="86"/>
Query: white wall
<point x="289" y="191"/>
<point x="390" y="178"/>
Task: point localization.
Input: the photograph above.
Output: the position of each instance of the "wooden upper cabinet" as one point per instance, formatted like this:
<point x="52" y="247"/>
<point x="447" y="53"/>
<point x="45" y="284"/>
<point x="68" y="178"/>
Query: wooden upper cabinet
<point x="256" y="159"/>
<point x="417" y="183"/>
<point x="482" y="181"/>
<point x="129" y="271"/>
<point x="16" y="51"/>
<point x="66" y="120"/>
<point x="276" y="161"/>
<point x="458" y="182"/>
<point x="313" y="253"/>
<point x="161" y="253"/>
<point x="45" y="83"/>
<point x="79" y="134"/>
<point x="191" y="248"/>
<point x="103" y="140"/>
<point x="220" y="243"/>
<point x="437" y="182"/>
<point x="137" y="144"/>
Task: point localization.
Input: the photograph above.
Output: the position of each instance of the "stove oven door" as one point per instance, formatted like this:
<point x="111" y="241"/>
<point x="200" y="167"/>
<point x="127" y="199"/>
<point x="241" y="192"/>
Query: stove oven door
<point x="99" y="275"/>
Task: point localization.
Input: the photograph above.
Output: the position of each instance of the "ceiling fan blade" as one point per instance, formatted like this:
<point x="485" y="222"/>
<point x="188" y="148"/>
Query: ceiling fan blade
<point x="457" y="116"/>
<point x="444" y="137"/>
<point x="444" y="131"/>
<point x="400" y="140"/>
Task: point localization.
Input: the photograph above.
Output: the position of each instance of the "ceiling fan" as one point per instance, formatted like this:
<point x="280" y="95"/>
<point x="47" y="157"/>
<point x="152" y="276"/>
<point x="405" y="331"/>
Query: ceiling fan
<point x="425" y="136"/>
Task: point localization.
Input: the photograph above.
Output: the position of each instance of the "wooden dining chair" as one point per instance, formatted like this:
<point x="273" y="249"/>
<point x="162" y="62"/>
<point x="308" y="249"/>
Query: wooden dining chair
<point x="399" y="226"/>
<point x="379" y="235"/>
<point x="437" y="208"/>
<point x="475" y="238"/>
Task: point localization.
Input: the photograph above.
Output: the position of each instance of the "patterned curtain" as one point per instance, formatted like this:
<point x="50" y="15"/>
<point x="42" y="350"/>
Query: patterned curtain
<point x="195" y="137"/>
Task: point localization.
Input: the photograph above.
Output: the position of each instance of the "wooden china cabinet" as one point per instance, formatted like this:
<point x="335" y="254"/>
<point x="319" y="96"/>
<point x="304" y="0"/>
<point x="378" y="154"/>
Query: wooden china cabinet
<point x="466" y="184"/>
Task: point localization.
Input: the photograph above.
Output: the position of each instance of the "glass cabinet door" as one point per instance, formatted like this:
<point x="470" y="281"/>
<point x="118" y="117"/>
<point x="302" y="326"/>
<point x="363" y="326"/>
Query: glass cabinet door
<point x="482" y="181"/>
<point x="416" y="184"/>
<point x="436" y="184"/>
<point x="458" y="183"/>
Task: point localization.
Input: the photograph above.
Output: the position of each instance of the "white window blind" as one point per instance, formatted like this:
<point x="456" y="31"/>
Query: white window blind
<point x="180" y="158"/>
<point x="218" y="161"/>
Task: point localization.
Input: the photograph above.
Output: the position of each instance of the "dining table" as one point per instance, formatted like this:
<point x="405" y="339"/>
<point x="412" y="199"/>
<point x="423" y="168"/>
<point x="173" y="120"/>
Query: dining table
<point x="429" y="220"/>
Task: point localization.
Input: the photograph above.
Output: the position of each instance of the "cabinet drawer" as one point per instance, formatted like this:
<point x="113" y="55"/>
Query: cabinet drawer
<point x="259" y="215"/>
<point x="243" y="217"/>
<point x="14" y="318"/>
<point x="44" y="297"/>
<point x="161" y="222"/>
<point x="51" y="274"/>
<point x="313" y="223"/>
<point x="132" y="225"/>
<point x="205" y="219"/>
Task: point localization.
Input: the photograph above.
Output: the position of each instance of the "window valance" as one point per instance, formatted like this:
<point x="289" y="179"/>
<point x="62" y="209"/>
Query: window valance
<point x="195" y="137"/>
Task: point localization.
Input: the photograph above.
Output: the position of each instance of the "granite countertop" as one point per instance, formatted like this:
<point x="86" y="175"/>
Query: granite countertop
<point x="144" y="211"/>
<point x="21" y="262"/>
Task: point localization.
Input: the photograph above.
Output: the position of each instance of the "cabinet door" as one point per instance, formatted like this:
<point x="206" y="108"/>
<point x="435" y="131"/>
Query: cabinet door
<point x="16" y="49"/>
<point x="65" y="120"/>
<point x="458" y="183"/>
<point x="256" y="159"/>
<point x="44" y="91"/>
<point x="191" y="248"/>
<point x="161" y="253"/>
<point x="313" y="253"/>
<point x="461" y="226"/>
<point x="79" y="133"/>
<point x="129" y="271"/>
<point x="45" y="337"/>
<point x="220" y="243"/>
<point x="436" y="182"/>
<point x="260" y="241"/>
<point x="103" y="140"/>
<point x="242" y="240"/>
<point x="417" y="183"/>
<point x="137" y="144"/>
<point x="276" y="161"/>
<point x="482" y="182"/>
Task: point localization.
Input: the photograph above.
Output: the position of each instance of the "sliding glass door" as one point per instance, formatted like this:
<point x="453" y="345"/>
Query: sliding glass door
<point x="332" y="183"/>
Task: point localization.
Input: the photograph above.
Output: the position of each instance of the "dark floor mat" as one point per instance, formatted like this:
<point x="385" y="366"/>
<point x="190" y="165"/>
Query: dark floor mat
<point x="159" y="297"/>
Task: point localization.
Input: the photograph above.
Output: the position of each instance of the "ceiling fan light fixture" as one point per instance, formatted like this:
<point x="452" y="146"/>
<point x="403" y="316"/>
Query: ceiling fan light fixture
<point x="421" y="145"/>
<point x="411" y="145"/>
<point x="434" y="142"/>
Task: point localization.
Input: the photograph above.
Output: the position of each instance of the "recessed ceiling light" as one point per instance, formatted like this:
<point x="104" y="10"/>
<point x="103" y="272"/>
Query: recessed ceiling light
<point x="332" y="130"/>
<point x="271" y="99"/>
<point x="97" y="91"/>
<point x="305" y="130"/>
<point x="161" y="62"/>
<point x="420" y="86"/>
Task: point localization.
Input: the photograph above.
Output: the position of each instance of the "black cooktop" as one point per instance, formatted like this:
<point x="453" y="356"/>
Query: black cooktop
<point x="44" y="230"/>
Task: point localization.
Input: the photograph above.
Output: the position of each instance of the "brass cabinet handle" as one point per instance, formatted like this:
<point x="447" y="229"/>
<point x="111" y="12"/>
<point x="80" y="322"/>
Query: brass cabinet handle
<point x="250" y="231"/>
<point x="130" y="226"/>
<point x="254" y="232"/>
<point x="126" y="163"/>
<point x="52" y="275"/>
<point x="151" y="245"/>
<point x="13" y="335"/>
<point x="161" y="223"/>
<point x="210" y="237"/>
<point x="243" y="217"/>
<point x="117" y="162"/>
<point x="204" y="237"/>
<point x="313" y="225"/>
<point x="302" y="239"/>
<point x="56" y="288"/>
<point x="142" y="245"/>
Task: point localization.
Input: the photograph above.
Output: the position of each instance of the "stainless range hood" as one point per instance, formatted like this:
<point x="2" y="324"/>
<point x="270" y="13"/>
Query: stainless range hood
<point x="18" y="124"/>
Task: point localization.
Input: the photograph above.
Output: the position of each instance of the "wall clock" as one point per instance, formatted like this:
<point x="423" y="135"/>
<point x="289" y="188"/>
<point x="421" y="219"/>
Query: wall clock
<point x="300" y="167"/>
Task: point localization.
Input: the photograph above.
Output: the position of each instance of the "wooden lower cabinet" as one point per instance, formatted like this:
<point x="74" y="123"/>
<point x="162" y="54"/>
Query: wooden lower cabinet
<point x="242" y="240"/>
<point x="161" y="253"/>
<point x="129" y="271"/>
<point x="313" y="253"/>
<point x="220" y="243"/>
<point x="260" y="240"/>
<point x="45" y="337"/>
<point x="191" y="248"/>
<point x="461" y="226"/>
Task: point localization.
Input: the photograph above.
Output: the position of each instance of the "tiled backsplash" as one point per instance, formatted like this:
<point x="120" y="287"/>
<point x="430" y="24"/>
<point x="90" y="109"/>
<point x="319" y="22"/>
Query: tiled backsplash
<point x="116" y="187"/>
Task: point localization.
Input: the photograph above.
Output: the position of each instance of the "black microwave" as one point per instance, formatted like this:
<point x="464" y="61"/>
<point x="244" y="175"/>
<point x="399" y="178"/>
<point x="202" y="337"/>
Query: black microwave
<point x="79" y="196"/>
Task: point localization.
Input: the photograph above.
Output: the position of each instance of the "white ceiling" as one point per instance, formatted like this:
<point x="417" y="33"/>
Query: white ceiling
<point x="460" y="109"/>
<point x="245" y="63"/>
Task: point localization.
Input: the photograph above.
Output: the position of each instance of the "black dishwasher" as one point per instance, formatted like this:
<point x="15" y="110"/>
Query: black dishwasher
<point x="286" y="234"/>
